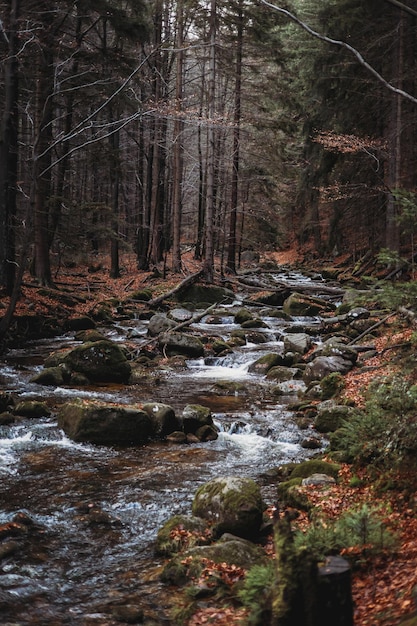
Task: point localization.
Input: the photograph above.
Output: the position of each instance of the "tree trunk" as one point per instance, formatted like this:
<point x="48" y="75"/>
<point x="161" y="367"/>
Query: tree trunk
<point x="8" y="154"/>
<point x="178" y="163"/>
<point x="232" y="242"/>
<point x="208" y="264"/>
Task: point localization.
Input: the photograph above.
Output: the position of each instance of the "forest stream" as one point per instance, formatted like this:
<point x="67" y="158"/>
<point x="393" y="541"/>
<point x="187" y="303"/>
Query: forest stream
<point x="76" y="568"/>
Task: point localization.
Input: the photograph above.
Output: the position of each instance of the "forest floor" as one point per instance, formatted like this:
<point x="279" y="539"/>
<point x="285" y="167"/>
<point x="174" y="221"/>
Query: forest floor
<point x="384" y="589"/>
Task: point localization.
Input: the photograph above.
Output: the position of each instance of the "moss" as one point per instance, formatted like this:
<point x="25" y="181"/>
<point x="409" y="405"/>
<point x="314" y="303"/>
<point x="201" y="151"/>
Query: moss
<point x="315" y="466"/>
<point x="331" y="385"/>
<point x="290" y="495"/>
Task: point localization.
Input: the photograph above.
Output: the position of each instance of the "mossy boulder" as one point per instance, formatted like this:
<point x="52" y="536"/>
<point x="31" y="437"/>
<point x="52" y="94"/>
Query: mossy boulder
<point x="90" y="334"/>
<point x="80" y="323"/>
<point x="104" y="424"/>
<point x="315" y="466"/>
<point x="173" y="343"/>
<point x="322" y="366"/>
<point x="159" y="323"/>
<point x="141" y="295"/>
<point x="265" y="362"/>
<point x="290" y="495"/>
<point x="194" y="416"/>
<point x="181" y="532"/>
<point x="331" y="385"/>
<point x="52" y="376"/>
<point x="31" y="408"/>
<point x="298" y="304"/>
<point x="229" y="549"/>
<point x="281" y="373"/>
<point x="233" y="503"/>
<point x="163" y="418"/>
<point x="206" y="293"/>
<point x="242" y="315"/>
<point x="330" y="416"/>
<point x="100" y="361"/>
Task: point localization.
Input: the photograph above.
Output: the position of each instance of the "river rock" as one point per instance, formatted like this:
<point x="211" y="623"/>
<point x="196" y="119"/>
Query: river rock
<point x="52" y="376"/>
<point x="100" y="361"/>
<point x="104" y="424"/>
<point x="207" y="294"/>
<point x="298" y="304"/>
<point x="233" y="503"/>
<point x="282" y="373"/>
<point x="229" y="549"/>
<point x="196" y="417"/>
<point x="181" y="343"/>
<point x="297" y="342"/>
<point x="180" y="315"/>
<point x="330" y="416"/>
<point x="31" y="408"/>
<point x="180" y="532"/>
<point x="242" y="315"/>
<point x="318" y="480"/>
<point x="324" y="365"/>
<point x="265" y="362"/>
<point x="80" y="323"/>
<point x="6" y="401"/>
<point x="159" y="323"/>
<point x="163" y="418"/>
<point x="335" y="346"/>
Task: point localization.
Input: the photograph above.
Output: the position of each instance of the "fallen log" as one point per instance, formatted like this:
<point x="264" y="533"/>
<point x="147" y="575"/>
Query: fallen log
<point x="189" y="280"/>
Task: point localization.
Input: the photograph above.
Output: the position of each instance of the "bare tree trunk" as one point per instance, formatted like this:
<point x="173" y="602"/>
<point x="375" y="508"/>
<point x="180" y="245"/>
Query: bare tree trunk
<point x="178" y="163"/>
<point x="208" y="265"/>
<point x="8" y="154"/>
<point x="232" y="242"/>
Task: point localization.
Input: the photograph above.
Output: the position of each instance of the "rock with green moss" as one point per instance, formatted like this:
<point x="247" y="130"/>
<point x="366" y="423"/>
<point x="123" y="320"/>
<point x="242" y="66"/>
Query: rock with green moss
<point x="163" y="418"/>
<point x="100" y="361"/>
<point x="103" y="423"/>
<point x="233" y="503"/>
<point x="220" y="347"/>
<point x="51" y="376"/>
<point x="330" y="416"/>
<point x="142" y="295"/>
<point x="181" y="532"/>
<point x="290" y="495"/>
<point x="208" y="294"/>
<point x="265" y="362"/>
<point x="281" y="373"/>
<point x="31" y="408"/>
<point x="315" y="466"/>
<point x="298" y="304"/>
<point x="194" y="416"/>
<point x="331" y="385"/>
<point x="229" y="549"/>
<point x="242" y="315"/>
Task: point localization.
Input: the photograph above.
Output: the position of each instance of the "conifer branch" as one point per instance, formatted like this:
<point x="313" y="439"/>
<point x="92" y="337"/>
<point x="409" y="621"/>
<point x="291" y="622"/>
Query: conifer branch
<point x="343" y="44"/>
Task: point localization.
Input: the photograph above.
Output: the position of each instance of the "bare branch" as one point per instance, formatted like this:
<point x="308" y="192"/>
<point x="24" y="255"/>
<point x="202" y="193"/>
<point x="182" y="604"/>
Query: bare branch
<point x="342" y="44"/>
<point x="403" y="7"/>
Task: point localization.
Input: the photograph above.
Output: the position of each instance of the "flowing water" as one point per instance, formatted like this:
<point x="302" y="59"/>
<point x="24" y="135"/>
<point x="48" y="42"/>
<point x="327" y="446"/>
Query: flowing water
<point x="96" y="510"/>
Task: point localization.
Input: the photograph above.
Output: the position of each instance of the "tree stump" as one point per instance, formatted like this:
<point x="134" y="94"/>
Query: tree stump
<point x="334" y="593"/>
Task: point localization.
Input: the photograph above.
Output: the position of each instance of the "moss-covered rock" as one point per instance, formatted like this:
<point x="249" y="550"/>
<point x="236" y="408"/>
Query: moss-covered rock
<point x="299" y="304"/>
<point x="52" y="376"/>
<point x="100" y="361"/>
<point x="31" y="408"/>
<point x="331" y="385"/>
<point x="233" y="503"/>
<point x="163" y="418"/>
<point x="242" y="315"/>
<point x="195" y="416"/>
<point x="289" y="494"/>
<point x="281" y="373"/>
<point x="330" y="416"/>
<point x="315" y="466"/>
<point x="182" y="532"/>
<point x="231" y="550"/>
<point x="104" y="424"/>
<point x="174" y="343"/>
<point x="265" y="362"/>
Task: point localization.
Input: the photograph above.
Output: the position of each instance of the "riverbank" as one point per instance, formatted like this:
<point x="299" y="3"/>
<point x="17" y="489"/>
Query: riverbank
<point x="383" y="586"/>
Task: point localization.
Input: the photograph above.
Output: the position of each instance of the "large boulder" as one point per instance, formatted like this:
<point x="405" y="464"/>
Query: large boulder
<point x="100" y="361"/>
<point x="265" y="363"/>
<point x="197" y="420"/>
<point x="297" y="342"/>
<point x="233" y="503"/>
<point x="163" y="418"/>
<point x="331" y="416"/>
<point x="181" y="532"/>
<point x="181" y="343"/>
<point x="159" y="323"/>
<point x="324" y="365"/>
<point x="189" y="565"/>
<point x="206" y="294"/>
<point x="104" y="424"/>
<point x="298" y="304"/>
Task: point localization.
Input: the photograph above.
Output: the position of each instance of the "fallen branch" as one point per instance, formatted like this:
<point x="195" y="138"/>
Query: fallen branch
<point x="409" y="315"/>
<point x="371" y="328"/>
<point x="190" y="280"/>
